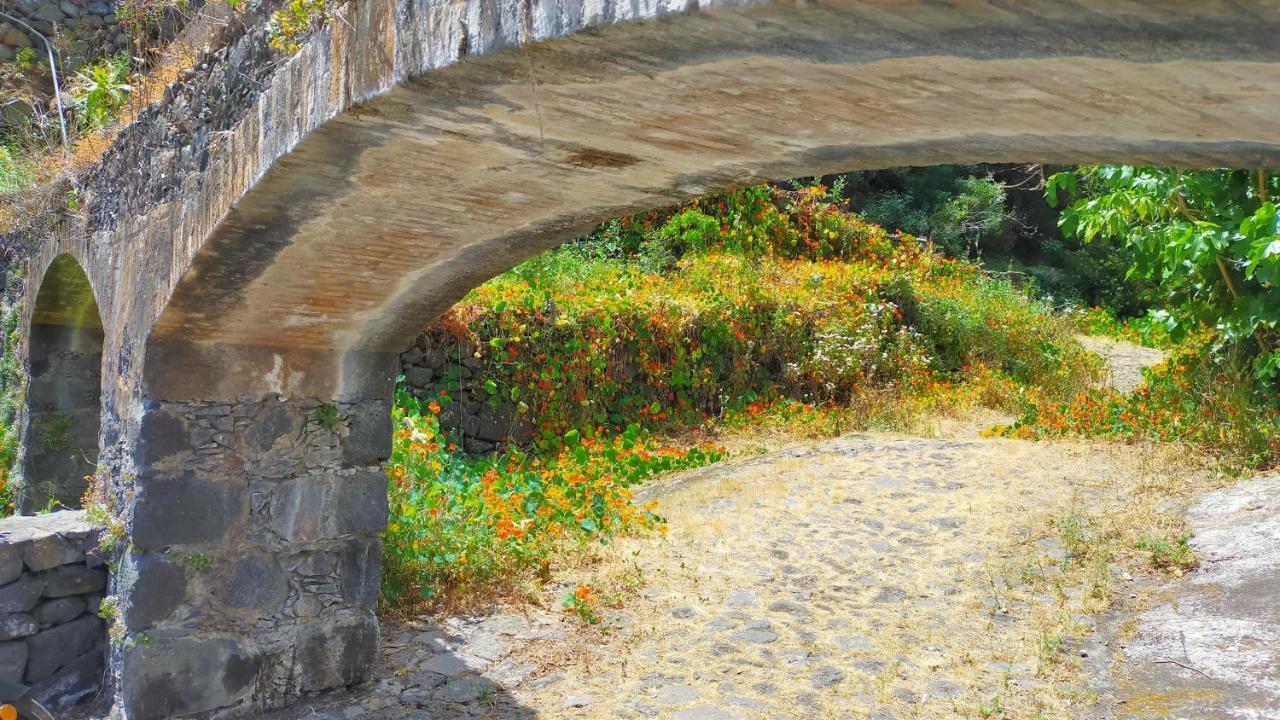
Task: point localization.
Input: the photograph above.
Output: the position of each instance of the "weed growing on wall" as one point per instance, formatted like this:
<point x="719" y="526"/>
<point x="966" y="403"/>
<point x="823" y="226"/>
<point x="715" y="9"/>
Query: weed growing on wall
<point x="290" y="24"/>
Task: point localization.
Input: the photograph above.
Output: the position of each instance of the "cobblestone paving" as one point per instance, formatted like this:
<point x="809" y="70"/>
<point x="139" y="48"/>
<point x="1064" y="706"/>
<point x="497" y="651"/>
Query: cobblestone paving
<point x="865" y="577"/>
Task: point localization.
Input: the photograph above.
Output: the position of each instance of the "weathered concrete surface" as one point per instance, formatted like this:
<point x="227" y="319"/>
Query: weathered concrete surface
<point x="263" y="243"/>
<point x="1211" y="645"/>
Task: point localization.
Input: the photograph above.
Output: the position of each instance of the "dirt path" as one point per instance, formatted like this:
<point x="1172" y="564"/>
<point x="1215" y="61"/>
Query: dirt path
<point x="1125" y="361"/>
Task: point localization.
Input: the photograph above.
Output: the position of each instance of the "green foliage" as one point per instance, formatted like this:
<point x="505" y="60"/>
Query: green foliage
<point x="899" y="211"/>
<point x="1143" y="330"/>
<point x="960" y="208"/>
<point x="1208" y="240"/>
<point x="25" y="59"/>
<point x="974" y="215"/>
<point x="326" y="416"/>
<point x="102" y="91"/>
<point x="583" y="344"/>
<point x="141" y="19"/>
<point x="15" y="169"/>
<point x="294" y="20"/>
<point x="1171" y="554"/>
<point x="1199" y="396"/>
<point x="197" y="561"/>
<point x="53" y="431"/>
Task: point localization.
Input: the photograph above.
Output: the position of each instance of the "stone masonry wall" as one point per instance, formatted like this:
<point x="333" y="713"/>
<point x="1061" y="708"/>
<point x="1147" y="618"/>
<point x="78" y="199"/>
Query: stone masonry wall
<point x="81" y="29"/>
<point x="51" y="637"/>
<point x="255" y="553"/>
<point x="483" y="424"/>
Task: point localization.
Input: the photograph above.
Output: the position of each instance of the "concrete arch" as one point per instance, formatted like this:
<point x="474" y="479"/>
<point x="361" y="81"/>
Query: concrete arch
<point x="438" y="178"/>
<point x="64" y="397"/>
<point x="416" y="148"/>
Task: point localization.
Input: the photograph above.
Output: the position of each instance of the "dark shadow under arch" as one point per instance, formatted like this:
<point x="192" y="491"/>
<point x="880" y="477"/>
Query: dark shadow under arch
<point x="64" y="396"/>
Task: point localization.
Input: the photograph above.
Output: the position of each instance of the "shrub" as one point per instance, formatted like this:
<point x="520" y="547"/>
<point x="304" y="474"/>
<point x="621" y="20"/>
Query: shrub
<point x="15" y="170"/>
<point x="972" y="218"/>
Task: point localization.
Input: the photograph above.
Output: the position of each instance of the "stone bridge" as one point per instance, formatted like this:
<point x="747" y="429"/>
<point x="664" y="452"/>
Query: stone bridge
<point x="213" y="328"/>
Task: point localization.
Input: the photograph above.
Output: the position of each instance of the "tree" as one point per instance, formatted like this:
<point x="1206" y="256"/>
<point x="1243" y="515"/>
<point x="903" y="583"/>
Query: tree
<point x="1209" y="240"/>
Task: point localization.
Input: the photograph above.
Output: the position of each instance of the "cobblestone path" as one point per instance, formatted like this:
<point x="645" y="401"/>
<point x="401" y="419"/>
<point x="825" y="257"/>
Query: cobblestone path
<point x="865" y="577"/>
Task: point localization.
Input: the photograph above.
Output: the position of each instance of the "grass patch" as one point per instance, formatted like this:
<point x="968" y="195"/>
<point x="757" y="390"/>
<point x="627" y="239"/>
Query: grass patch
<point x="1174" y="555"/>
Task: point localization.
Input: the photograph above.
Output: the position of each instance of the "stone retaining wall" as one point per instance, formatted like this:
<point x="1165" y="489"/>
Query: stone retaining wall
<point x="484" y="424"/>
<point x="52" y="581"/>
<point x="82" y="29"/>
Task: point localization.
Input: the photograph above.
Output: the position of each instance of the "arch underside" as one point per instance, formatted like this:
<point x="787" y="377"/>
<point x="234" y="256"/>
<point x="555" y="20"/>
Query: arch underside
<point x="388" y="213"/>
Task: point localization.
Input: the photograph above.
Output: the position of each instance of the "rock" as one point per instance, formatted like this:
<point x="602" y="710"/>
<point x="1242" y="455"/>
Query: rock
<point x="21" y="595"/>
<point x="158" y="587"/>
<point x="825" y="677"/>
<point x="211" y="672"/>
<point x="368" y="441"/>
<point x="676" y="695"/>
<point x="754" y="636"/>
<point x="706" y="712"/>
<point x="50" y="13"/>
<point x="255" y="582"/>
<point x="742" y="599"/>
<point x="74" y="682"/>
<point x="58" y="646"/>
<point x="576" y="700"/>
<point x="682" y="613"/>
<point x="186" y="510"/>
<point x="13" y="661"/>
<point x="545" y="681"/>
<point x="50" y="551"/>
<point x="418" y="376"/>
<point x="10" y="558"/>
<point x="446" y="665"/>
<point x="98" y="8"/>
<point x="16" y="39"/>
<point x="465" y="689"/>
<point x="335" y="652"/>
<point x="69" y="9"/>
<point x="60" y="610"/>
<point x="6" y="53"/>
<point x="18" y="625"/>
<point x="72" y="580"/>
